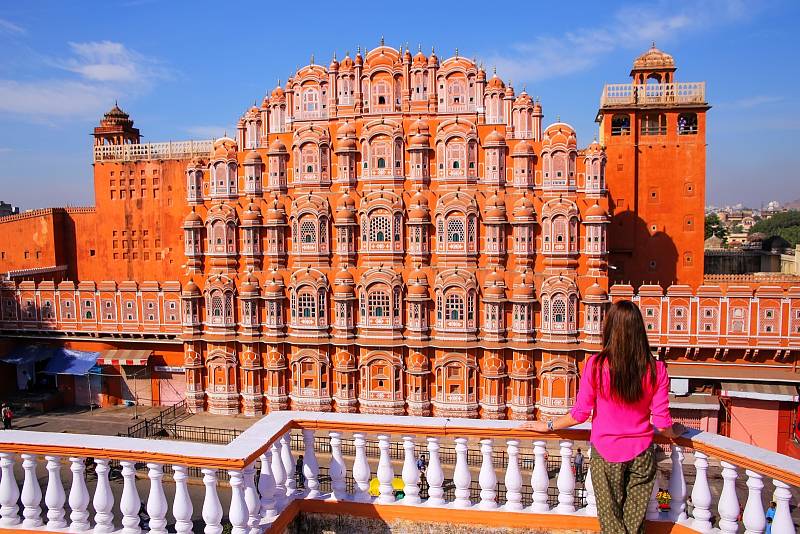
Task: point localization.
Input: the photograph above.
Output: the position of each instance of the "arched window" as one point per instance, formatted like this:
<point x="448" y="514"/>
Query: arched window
<point x="379" y="229"/>
<point x="378" y="302"/>
<point x="654" y="124"/>
<point x="310" y="100"/>
<point x="456" y="154"/>
<point x="687" y="124"/>
<point x="308" y="231"/>
<point x="621" y="125"/>
<point x="381" y="94"/>
<point x="309" y="158"/>
<point x="454" y="307"/>
<point x="456" y="93"/>
<point x="381" y="154"/>
<point x="455" y="230"/>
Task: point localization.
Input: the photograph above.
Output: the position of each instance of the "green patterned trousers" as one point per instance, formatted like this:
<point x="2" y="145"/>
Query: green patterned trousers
<point x="622" y="490"/>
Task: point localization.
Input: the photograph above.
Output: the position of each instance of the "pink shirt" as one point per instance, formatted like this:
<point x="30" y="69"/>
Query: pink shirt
<point x="621" y="431"/>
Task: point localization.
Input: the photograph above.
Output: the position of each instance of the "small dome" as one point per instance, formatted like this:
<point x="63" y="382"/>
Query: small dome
<point x="420" y="60"/>
<point x="495" y="138"/>
<point x="345" y="202"/>
<point x="654" y="59"/>
<point x="420" y="126"/>
<point x="495" y="83"/>
<point x="277" y="93"/>
<point x="343" y="283"/>
<point x="346" y="130"/>
<point x="348" y="144"/>
<point x="596" y="211"/>
<point x="596" y="292"/>
<point x="523" y="100"/>
<point x="251" y="214"/>
<point x="523" y="208"/>
<point x="277" y="212"/>
<point x="495" y="278"/>
<point x="494" y="292"/>
<point x="432" y="59"/>
<point x="191" y="289"/>
<point x="419" y="141"/>
<point x="116" y="117"/>
<point x="249" y="284"/>
<point x="225" y="148"/>
<point x="523" y="148"/>
<point x="197" y="163"/>
<point x="277" y="147"/>
<point x="252" y="157"/>
<point x="274" y="283"/>
<point x="193" y="219"/>
<point x="418" y="290"/>
<point x="495" y="209"/>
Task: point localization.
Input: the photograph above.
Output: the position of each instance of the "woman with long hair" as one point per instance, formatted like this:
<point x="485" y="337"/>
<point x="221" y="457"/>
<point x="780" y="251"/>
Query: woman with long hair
<point x="625" y="390"/>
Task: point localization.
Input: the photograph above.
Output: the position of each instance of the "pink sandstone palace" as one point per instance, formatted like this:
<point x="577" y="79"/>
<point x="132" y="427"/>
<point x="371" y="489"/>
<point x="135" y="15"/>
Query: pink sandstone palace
<point x="404" y="234"/>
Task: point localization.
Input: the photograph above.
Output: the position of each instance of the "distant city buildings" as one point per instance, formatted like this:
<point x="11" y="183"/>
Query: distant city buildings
<point x="7" y="209"/>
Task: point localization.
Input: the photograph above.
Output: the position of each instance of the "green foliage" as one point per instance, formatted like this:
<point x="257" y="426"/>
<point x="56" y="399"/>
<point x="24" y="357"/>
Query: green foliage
<point x="713" y="226"/>
<point x="785" y="224"/>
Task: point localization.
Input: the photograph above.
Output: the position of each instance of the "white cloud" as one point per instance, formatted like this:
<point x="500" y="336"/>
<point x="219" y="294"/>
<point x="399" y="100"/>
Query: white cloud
<point x="206" y="132"/>
<point x="101" y="71"/>
<point x="634" y="26"/>
<point x="6" y="26"/>
<point x="752" y="101"/>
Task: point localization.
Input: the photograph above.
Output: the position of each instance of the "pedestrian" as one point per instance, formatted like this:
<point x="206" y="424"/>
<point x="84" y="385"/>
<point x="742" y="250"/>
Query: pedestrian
<point x="421" y="463"/>
<point x="626" y="391"/>
<point x="301" y="478"/>
<point x="7" y="415"/>
<point x="770" y="516"/>
<point x="578" y="466"/>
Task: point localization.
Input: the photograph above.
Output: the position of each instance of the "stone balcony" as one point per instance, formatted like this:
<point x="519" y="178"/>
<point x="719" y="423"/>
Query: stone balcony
<point x="250" y="484"/>
<point x="658" y="94"/>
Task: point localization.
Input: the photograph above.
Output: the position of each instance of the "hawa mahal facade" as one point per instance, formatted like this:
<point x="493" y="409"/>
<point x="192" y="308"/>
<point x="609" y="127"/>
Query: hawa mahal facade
<point x="399" y="234"/>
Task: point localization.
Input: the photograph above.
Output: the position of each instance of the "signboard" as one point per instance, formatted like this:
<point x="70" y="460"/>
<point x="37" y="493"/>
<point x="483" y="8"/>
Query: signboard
<point x="167" y="369"/>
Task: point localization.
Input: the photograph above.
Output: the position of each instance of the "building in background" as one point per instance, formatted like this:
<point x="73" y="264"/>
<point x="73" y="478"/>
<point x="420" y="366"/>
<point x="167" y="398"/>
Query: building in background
<point x="396" y="234"/>
<point x="7" y="209"/>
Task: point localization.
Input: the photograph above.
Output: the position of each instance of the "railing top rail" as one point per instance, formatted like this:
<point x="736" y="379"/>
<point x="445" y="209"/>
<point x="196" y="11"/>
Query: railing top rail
<point x="254" y="441"/>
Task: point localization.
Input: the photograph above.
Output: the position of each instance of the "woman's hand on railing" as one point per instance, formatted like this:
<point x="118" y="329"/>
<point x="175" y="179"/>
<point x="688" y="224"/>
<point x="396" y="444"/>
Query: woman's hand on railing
<point x="675" y="431"/>
<point x="536" y="426"/>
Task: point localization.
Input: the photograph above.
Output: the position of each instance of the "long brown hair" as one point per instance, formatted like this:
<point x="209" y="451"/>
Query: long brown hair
<point x="627" y="352"/>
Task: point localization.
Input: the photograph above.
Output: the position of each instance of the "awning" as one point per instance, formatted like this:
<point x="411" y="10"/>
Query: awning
<point x="28" y="354"/>
<point x="749" y="390"/>
<point x="71" y="362"/>
<point x="695" y="401"/>
<point x="734" y="372"/>
<point x="124" y="357"/>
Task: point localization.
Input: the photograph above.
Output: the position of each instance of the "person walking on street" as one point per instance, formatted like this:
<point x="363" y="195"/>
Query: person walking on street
<point x="301" y="477"/>
<point x="7" y="415"/>
<point x="626" y="391"/>
<point x="770" y="517"/>
<point x="579" y="466"/>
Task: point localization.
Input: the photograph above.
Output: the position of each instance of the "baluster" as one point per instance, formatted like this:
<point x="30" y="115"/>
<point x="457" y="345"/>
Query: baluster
<point x="461" y="476"/>
<point x="361" y="471"/>
<point x="182" y="504"/>
<point x="754" y="519"/>
<point x="156" y="500"/>
<point x="237" y="513"/>
<point x="9" y="492"/>
<point x="513" y="478"/>
<point x="266" y="487"/>
<point x="55" y="497"/>
<point x="677" y="486"/>
<point x="487" y="477"/>
<point x="591" y="500"/>
<point x="129" y="502"/>
<point x="78" y="496"/>
<point x="701" y="494"/>
<point x="385" y="471"/>
<point x="566" y="480"/>
<point x="337" y="470"/>
<point x="782" y="522"/>
<point x="434" y="475"/>
<point x="212" y="509"/>
<point x="279" y="473"/>
<point x="31" y="496"/>
<point x="653" y="512"/>
<point x="410" y="472"/>
<point x="288" y="464"/>
<point x="310" y="466"/>
<point x="251" y="499"/>
<point x="540" y="478"/>
<point x="103" y="501"/>
<point x="728" y="506"/>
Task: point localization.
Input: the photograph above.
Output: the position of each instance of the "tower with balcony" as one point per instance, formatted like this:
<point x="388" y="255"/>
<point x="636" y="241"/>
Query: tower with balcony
<point x="654" y="131"/>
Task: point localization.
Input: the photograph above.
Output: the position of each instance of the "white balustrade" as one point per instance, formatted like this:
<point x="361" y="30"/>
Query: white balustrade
<point x="753" y="517"/>
<point x="653" y="512"/>
<point x="410" y="472"/>
<point x="540" y="478"/>
<point x="103" y="501"/>
<point x="513" y="479"/>
<point x="701" y="494"/>
<point x="591" y="500"/>
<point x="461" y="476"/>
<point x="31" y="496"/>
<point x="78" y="496"/>
<point x="566" y="481"/>
<point x="9" y="491"/>
<point x="385" y="472"/>
<point x="288" y="464"/>
<point x="782" y="522"/>
<point x="130" y="503"/>
<point x="361" y="471"/>
<point x="278" y="473"/>
<point x="182" y="508"/>
<point x="487" y="478"/>
<point x="251" y="499"/>
<point x="434" y="474"/>
<point x="54" y="497"/>
<point x="310" y="466"/>
<point x="728" y="506"/>
<point x="337" y="469"/>
<point x="266" y="488"/>
<point x="156" y="500"/>
<point x="677" y="486"/>
<point x="237" y="513"/>
<point x="212" y="508"/>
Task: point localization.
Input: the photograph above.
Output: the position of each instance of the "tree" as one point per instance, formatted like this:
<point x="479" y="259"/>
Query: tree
<point x="713" y="226"/>
<point x="785" y="224"/>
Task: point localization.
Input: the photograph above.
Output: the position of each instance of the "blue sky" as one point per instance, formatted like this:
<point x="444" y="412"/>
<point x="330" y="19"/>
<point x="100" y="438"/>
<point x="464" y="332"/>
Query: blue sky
<point x="187" y="69"/>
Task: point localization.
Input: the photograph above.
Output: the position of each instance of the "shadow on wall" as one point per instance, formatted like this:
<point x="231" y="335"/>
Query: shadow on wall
<point x="641" y="254"/>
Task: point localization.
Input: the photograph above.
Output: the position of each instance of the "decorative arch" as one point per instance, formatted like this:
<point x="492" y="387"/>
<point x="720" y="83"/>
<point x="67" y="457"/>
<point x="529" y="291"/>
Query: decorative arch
<point x="560" y="223"/>
<point x="311" y="146"/>
<point x="457" y="224"/>
<point x="457" y="149"/>
<point x="380" y="299"/>
<point x="382" y="148"/>
<point x="456" y="301"/>
<point x="310" y="222"/>
<point x="221" y="369"/>
<point x="559" y="296"/>
<point x="308" y="295"/>
<point x="219" y="297"/>
<point x="381" y="214"/>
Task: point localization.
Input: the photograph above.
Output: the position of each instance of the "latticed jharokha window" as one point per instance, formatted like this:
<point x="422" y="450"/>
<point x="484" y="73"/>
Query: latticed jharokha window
<point x="454" y="307"/>
<point x="455" y="230"/>
<point x="378" y="302"/>
<point x="306" y="305"/>
<point x="379" y="229"/>
<point x="308" y="231"/>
